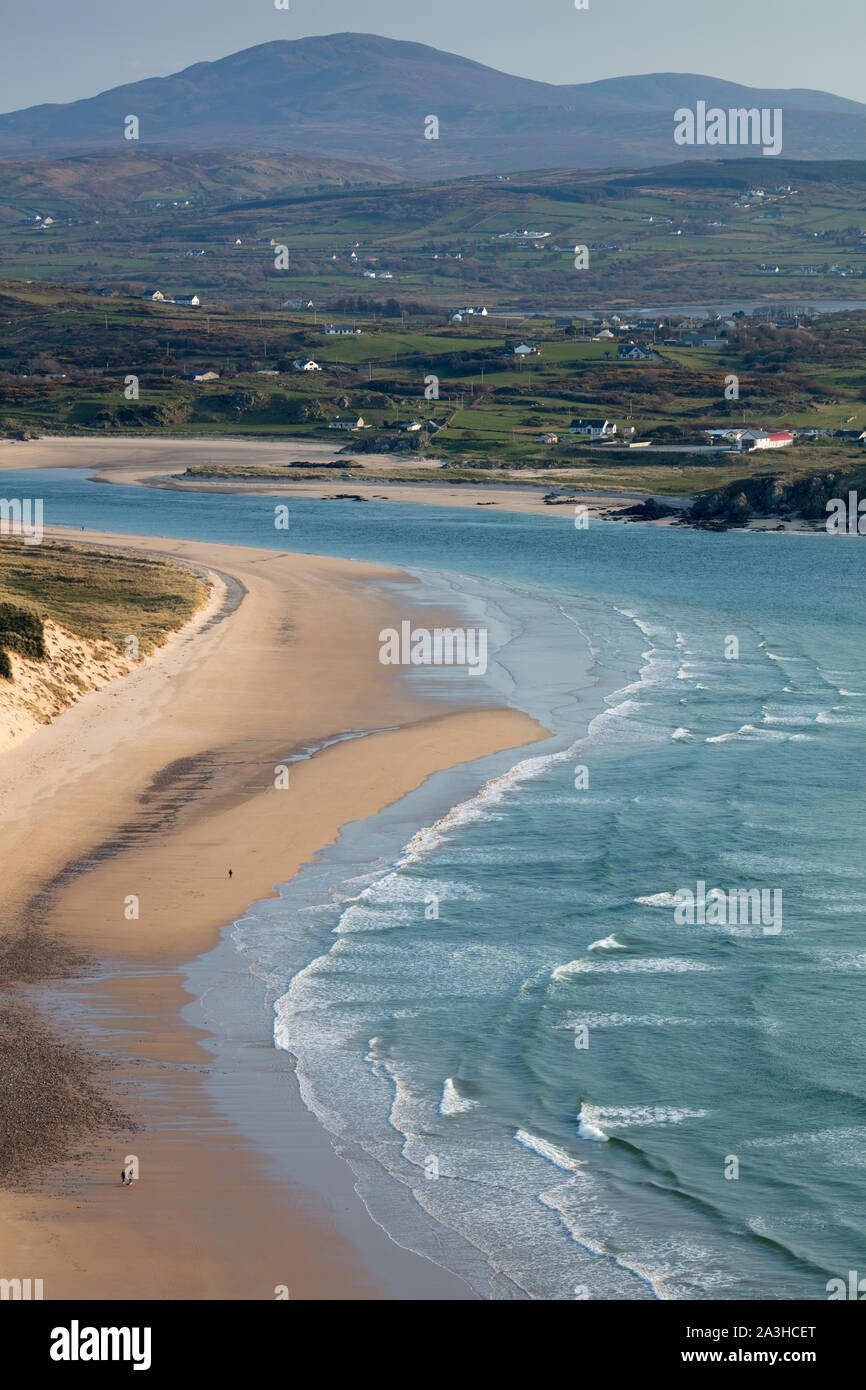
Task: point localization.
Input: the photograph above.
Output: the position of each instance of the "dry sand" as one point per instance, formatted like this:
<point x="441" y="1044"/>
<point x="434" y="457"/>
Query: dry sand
<point x="158" y="783"/>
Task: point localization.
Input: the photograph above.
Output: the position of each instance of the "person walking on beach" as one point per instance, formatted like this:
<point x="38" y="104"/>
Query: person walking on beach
<point x="230" y="873"/>
<point x="123" y="1177"/>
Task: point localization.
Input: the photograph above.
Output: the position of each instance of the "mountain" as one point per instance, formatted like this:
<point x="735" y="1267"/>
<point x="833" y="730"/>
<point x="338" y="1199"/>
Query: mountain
<point x="360" y="97"/>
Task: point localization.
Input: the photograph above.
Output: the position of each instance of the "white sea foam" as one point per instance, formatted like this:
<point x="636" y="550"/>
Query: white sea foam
<point x="616" y="1020"/>
<point x="797" y="721"/>
<point x="838" y="715"/>
<point x="749" y="733"/>
<point x="648" y="965"/>
<point x="452" y="1103"/>
<point x="478" y="806"/>
<point x="551" y="1152"/>
<point x="843" y="960"/>
<point x="659" y="900"/>
<point x="594" y="1121"/>
<point x="842" y="1146"/>
<point x="607" y="943"/>
<point x="586" y="1127"/>
<point x="649" y="630"/>
<point x="682" y="735"/>
<point x="573" y="967"/>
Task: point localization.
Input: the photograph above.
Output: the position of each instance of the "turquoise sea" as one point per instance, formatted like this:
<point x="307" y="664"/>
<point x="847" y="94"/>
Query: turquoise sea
<point x="551" y="1085"/>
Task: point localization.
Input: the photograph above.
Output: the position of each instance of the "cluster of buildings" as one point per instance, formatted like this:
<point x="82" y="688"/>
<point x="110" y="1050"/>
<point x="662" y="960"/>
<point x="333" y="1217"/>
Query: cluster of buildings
<point x="752" y="438"/>
<point x="522" y="235"/>
<point x="586" y="429"/>
<point x="469" y="312"/>
<point x="158" y="297"/>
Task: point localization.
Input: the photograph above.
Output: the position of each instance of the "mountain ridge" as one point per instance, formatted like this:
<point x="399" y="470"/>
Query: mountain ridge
<point x="361" y="97"/>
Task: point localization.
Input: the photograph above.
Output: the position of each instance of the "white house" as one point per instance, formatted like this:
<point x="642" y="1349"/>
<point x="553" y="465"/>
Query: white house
<point x="604" y="336"/>
<point x="369" y="274"/>
<point x="154" y="294"/>
<point x="347" y="422"/>
<point x="306" y="364"/>
<point x="526" y="350"/>
<point x="413" y="426"/>
<point x="189" y="299"/>
<point x="205" y="376"/>
<point x="636" y="352"/>
<point x="594" y="429"/>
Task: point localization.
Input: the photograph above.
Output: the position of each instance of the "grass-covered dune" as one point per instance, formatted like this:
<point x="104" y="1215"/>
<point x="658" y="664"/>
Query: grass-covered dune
<point x="97" y="595"/>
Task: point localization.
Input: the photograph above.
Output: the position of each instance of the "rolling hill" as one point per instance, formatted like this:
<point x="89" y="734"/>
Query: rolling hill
<point x="110" y="179"/>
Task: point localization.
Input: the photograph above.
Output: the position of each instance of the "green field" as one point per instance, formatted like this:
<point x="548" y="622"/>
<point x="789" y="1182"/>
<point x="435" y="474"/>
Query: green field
<point x="441" y="242"/>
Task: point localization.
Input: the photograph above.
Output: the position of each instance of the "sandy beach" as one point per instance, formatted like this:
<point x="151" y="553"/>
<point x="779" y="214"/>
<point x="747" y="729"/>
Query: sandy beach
<point x="159" y="463"/>
<point x="122" y="819"/>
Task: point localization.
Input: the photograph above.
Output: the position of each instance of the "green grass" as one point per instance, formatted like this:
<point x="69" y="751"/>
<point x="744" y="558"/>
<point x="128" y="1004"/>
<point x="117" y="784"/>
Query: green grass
<point x="96" y="594"/>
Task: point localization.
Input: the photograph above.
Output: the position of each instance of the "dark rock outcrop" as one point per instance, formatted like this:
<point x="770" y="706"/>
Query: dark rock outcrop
<point x="768" y="495"/>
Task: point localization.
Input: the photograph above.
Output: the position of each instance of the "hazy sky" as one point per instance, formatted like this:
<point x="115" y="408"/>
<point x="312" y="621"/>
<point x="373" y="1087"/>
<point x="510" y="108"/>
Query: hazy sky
<point x="58" y="50"/>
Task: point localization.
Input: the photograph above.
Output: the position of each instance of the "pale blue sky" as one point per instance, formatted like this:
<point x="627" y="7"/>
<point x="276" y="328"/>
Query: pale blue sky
<point x="59" y="50"/>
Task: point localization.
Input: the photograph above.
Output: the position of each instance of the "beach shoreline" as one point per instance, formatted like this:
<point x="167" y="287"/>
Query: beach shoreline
<point x="123" y="818"/>
<point x="155" y="463"/>
<point x="150" y="463"/>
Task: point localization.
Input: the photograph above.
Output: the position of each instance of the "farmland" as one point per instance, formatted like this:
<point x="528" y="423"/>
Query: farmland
<point x="211" y="224"/>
